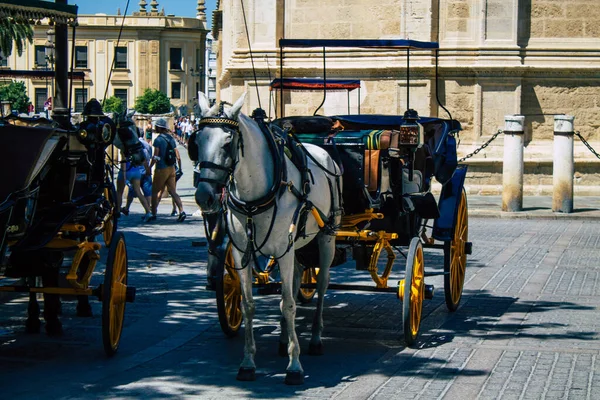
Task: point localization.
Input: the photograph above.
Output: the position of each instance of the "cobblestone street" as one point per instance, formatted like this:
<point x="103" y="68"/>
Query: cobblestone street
<point x="527" y="328"/>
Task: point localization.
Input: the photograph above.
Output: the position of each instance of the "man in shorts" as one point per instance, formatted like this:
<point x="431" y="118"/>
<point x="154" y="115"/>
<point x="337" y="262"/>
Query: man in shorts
<point x="144" y="175"/>
<point x="164" y="174"/>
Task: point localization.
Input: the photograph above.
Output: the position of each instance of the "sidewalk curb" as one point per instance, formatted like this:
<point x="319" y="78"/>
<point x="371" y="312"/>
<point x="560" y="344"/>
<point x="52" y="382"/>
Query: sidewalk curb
<point x="542" y="214"/>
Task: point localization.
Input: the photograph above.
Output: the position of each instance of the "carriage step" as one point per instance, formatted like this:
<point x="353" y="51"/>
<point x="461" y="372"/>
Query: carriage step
<point x="269" y="288"/>
<point x="130" y="294"/>
<point x="469" y="248"/>
<point x="429" y="289"/>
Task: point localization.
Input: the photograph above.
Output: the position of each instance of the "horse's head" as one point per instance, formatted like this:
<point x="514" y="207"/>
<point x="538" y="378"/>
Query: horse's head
<point x="215" y="146"/>
<point x="127" y="138"/>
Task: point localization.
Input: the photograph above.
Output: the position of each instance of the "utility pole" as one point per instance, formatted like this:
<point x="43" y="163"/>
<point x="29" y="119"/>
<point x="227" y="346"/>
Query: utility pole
<point x="60" y="112"/>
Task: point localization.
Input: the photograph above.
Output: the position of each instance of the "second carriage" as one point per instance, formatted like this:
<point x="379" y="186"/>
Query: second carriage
<point x="389" y="162"/>
<point x="58" y="198"/>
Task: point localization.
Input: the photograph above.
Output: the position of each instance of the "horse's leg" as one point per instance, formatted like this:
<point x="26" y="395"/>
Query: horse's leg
<point x="51" y="303"/>
<point x="33" y="324"/>
<point x="326" y="254"/>
<point x="294" y="372"/>
<point x="283" y="338"/>
<point x="247" y="371"/>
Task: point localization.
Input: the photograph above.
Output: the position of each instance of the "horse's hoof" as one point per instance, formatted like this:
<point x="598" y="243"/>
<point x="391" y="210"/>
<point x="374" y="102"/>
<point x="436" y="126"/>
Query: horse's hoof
<point x="84" y="310"/>
<point x="282" y="351"/>
<point x="294" y="378"/>
<point x="54" y="327"/>
<point x="246" y="374"/>
<point x="33" y="325"/>
<point x="315" y="349"/>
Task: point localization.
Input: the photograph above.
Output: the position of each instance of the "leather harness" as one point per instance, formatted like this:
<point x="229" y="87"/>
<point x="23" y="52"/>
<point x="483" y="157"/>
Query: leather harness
<point x="280" y="183"/>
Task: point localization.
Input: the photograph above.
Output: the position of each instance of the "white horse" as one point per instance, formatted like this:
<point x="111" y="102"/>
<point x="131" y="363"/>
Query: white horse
<point x="242" y="159"/>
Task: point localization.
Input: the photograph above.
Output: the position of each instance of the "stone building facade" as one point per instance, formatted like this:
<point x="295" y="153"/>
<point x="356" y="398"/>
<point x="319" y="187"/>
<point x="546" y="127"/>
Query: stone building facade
<point x="534" y="58"/>
<point x="153" y="50"/>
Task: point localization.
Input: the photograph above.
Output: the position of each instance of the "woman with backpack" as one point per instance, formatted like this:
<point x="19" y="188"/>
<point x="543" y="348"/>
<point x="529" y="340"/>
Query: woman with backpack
<point x="165" y="156"/>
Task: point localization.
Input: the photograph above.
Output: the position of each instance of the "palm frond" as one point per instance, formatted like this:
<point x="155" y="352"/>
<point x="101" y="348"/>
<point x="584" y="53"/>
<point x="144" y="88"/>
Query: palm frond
<point x="17" y="32"/>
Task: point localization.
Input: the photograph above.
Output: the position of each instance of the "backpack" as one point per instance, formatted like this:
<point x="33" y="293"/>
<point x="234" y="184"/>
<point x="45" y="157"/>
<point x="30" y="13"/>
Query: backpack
<point x="170" y="157"/>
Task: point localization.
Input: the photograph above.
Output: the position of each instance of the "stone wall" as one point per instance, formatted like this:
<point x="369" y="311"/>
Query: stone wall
<point x="542" y="98"/>
<point x="565" y="19"/>
<point x="535" y="58"/>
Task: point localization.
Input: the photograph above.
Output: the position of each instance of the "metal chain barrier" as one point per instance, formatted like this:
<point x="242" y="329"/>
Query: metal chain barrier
<point x="590" y="148"/>
<point x="483" y="146"/>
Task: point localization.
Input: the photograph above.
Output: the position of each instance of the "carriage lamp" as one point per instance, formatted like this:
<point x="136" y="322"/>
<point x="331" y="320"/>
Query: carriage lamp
<point x="410" y="130"/>
<point x="6" y="108"/>
<point x="410" y="136"/>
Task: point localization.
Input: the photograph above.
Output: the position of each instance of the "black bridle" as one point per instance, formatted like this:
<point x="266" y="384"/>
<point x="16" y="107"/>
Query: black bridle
<point x="222" y="177"/>
<point x="232" y="127"/>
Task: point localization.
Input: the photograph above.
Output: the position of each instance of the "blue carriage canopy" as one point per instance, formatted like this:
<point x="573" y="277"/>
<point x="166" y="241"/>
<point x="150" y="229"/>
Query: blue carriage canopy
<point x="361" y="43"/>
<point x="314" y="84"/>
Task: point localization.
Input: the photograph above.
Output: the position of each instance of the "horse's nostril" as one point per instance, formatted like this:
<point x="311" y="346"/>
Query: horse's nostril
<point x="204" y="198"/>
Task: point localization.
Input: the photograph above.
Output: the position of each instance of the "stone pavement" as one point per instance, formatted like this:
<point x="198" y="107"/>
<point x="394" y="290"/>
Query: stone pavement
<point x="527" y="327"/>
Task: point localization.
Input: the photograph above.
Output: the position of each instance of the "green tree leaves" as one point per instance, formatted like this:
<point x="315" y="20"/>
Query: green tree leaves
<point x="113" y="104"/>
<point x="152" y="102"/>
<point x="16" y="93"/>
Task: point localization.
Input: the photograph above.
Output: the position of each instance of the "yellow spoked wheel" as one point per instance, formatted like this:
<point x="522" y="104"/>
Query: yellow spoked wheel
<point x="414" y="292"/>
<point x="229" y="294"/>
<point x="308" y="276"/>
<point x="114" y="292"/>
<point x="110" y="220"/>
<point x="455" y="257"/>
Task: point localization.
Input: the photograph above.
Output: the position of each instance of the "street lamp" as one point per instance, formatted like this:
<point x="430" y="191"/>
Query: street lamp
<point x="198" y="72"/>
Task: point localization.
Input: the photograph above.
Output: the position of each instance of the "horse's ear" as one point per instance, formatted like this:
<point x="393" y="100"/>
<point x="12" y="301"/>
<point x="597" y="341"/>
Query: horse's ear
<point x="203" y="104"/>
<point x="234" y="111"/>
<point x="130" y="113"/>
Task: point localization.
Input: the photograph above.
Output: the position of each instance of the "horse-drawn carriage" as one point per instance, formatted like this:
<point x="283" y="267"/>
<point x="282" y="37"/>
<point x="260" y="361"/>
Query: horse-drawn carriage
<point x="273" y="186"/>
<point x="57" y="196"/>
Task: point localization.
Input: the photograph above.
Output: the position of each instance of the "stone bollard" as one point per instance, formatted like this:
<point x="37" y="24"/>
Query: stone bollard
<point x="512" y="167"/>
<point x="564" y="166"/>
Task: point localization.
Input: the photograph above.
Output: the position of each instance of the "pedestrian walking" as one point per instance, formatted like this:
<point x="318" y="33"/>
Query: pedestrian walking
<point x="189" y="128"/>
<point x="165" y="156"/>
<point x="178" y="174"/>
<point x="148" y="133"/>
<point x="140" y="183"/>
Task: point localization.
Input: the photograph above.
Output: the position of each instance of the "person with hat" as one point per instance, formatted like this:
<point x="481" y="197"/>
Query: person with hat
<point x="92" y="108"/>
<point x="164" y="173"/>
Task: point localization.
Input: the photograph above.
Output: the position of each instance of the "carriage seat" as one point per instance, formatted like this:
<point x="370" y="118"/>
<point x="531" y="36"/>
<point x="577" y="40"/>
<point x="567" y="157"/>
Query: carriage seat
<point x="25" y="151"/>
<point x="376" y="141"/>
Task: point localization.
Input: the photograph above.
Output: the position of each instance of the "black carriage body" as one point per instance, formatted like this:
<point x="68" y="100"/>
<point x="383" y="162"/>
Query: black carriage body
<point x="56" y="177"/>
<point x="362" y="150"/>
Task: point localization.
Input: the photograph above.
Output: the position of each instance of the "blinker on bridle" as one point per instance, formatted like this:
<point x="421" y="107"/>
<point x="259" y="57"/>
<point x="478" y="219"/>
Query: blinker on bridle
<point x="222" y="122"/>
